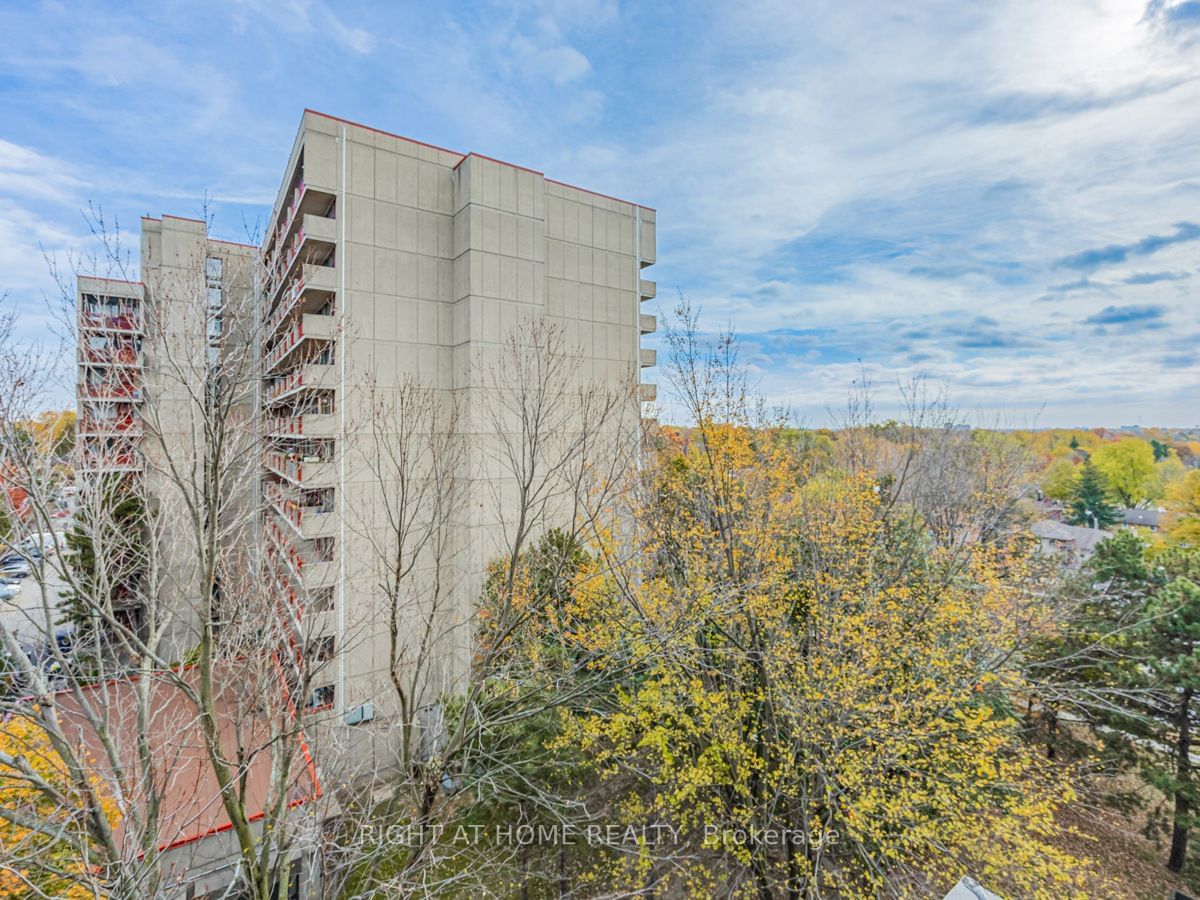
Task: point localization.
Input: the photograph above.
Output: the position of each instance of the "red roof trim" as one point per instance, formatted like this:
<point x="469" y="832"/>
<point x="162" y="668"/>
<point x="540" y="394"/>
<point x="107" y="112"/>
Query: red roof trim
<point x="499" y="162"/>
<point x="109" y="280"/>
<point x="576" y="187"/>
<point x="465" y="155"/>
<point x="212" y="240"/>
<point x="381" y="131"/>
<point x="221" y="829"/>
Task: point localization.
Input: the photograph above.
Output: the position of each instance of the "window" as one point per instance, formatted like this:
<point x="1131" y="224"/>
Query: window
<point x="322" y="599"/>
<point x="325" y="650"/>
<point x="324" y="548"/>
<point x="212" y="268"/>
<point x="315" y="451"/>
<point x="215" y="297"/>
<point x="318" y="500"/>
<point x="322" y="697"/>
<point x="324" y="355"/>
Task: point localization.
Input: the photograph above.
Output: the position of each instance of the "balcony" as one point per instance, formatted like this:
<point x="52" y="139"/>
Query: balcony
<point x="126" y="319"/>
<point x="119" y="426"/>
<point x="309" y="326"/>
<point x="114" y="355"/>
<point x="315" y="240"/>
<point x="311" y="518"/>
<point x="307" y="200"/>
<point x="647" y="357"/>
<point x="302" y="379"/>
<point x="321" y="425"/>
<point x="116" y="461"/>
<point x="120" y="391"/>
<point x="307" y="568"/>
<point x="647" y="289"/>
<point x="308" y="291"/>
<point x="302" y="471"/>
<point x="647" y="324"/>
<point x="647" y="393"/>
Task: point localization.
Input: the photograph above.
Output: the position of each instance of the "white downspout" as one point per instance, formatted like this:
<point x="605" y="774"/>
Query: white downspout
<point x="341" y="299"/>
<point x="637" y="330"/>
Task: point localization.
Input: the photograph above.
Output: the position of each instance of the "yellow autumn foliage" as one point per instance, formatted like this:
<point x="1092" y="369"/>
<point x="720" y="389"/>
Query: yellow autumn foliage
<point x="819" y="697"/>
<point x="44" y="840"/>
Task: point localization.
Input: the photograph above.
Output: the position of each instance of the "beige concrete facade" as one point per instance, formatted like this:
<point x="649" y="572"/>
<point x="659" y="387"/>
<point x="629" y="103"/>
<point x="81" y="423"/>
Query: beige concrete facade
<point x="390" y="261"/>
<point x="385" y="262"/>
<point x="147" y="353"/>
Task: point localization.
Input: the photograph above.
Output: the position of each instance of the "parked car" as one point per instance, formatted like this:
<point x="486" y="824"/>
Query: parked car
<point x="47" y="543"/>
<point x="9" y="588"/>
<point x="14" y="565"/>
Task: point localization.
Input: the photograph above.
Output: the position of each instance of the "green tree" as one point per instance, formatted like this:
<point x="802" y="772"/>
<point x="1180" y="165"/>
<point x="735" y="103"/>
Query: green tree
<point x="1058" y="479"/>
<point x="1089" y="502"/>
<point x="1170" y="669"/>
<point x="1183" y="506"/>
<point x="1080" y="667"/>
<point x="1128" y="467"/>
<point x="105" y="547"/>
<point x="1127" y="662"/>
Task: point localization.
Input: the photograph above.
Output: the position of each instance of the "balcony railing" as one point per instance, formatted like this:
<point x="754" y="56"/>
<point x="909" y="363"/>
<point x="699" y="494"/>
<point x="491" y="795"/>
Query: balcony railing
<point x="121" y="319"/>
<point x="282" y="545"/>
<point x="281" y="234"/>
<point x="120" y="461"/>
<point x="120" y="355"/>
<point x="322" y="230"/>
<point x="288" y="465"/>
<point x="286" y="385"/>
<point x="110" y="390"/>
<point x="297" y="556"/>
<point x="294" y="466"/>
<point x="312" y="423"/>
<point x="286" y="304"/>
<point x="293" y="507"/>
<point x="123" y="425"/>
<point x="311" y="375"/>
<point x="279" y="269"/>
<point x="285" y="345"/>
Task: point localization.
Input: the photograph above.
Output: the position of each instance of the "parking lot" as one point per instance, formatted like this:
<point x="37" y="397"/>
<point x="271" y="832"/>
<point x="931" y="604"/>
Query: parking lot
<point x="32" y="614"/>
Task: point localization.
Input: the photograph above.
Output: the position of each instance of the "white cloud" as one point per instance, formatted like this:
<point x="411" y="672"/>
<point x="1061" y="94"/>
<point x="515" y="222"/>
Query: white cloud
<point x="25" y="172"/>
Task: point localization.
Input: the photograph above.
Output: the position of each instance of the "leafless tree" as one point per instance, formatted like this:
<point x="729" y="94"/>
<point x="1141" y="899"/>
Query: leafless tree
<point x="534" y="444"/>
<point x="182" y="707"/>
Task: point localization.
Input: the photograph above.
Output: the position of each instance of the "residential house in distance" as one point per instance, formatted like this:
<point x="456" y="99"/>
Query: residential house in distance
<point x="1148" y="519"/>
<point x="1072" y="543"/>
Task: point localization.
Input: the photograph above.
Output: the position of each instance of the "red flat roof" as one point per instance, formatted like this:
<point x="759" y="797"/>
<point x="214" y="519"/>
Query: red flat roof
<point x="191" y="801"/>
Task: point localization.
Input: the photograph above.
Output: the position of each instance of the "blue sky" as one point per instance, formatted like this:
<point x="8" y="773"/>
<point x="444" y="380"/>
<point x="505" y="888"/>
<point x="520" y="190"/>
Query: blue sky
<point x="1004" y="196"/>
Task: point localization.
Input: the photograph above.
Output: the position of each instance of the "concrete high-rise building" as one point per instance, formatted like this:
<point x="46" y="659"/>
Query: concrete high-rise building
<point x="147" y="350"/>
<point x="388" y="261"/>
